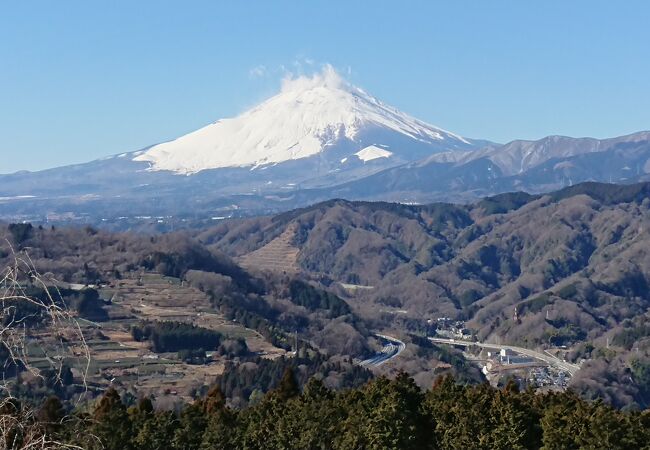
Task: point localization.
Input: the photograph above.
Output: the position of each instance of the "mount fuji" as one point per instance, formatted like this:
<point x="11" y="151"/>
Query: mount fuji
<point x="319" y="138"/>
<point x="321" y="117"/>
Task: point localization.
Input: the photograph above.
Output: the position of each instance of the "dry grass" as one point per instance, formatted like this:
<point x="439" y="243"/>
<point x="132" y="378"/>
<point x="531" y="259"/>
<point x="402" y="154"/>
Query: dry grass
<point x="279" y="255"/>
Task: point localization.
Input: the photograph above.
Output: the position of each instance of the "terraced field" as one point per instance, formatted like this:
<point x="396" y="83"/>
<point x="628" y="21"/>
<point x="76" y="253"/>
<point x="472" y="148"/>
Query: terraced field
<point x="116" y="358"/>
<point x="279" y="255"/>
<point x="154" y="297"/>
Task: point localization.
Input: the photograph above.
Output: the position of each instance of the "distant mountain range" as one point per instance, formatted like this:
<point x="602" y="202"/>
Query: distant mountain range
<point x="539" y="166"/>
<point x="319" y="138"/>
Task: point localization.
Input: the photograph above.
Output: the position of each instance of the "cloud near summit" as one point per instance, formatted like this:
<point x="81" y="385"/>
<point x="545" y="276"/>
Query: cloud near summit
<point x="327" y="77"/>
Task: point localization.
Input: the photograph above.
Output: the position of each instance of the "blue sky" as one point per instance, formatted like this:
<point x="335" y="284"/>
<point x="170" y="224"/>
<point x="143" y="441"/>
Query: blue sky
<point x="81" y="80"/>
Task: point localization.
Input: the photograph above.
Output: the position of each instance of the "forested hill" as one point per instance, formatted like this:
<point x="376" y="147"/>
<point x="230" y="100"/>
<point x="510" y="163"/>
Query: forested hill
<point x="381" y="415"/>
<point x="473" y="261"/>
<point x="573" y="262"/>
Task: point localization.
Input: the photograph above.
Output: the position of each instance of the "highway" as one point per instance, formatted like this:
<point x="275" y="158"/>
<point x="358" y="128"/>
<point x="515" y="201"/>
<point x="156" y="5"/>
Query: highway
<point x="546" y="357"/>
<point x="391" y="349"/>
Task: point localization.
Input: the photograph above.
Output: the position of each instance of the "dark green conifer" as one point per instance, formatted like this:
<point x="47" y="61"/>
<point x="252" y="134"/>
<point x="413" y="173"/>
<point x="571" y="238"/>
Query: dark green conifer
<point x="288" y="387"/>
<point x="112" y="426"/>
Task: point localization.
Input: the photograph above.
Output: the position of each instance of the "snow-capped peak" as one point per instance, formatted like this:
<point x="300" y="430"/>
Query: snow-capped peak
<point x="311" y="114"/>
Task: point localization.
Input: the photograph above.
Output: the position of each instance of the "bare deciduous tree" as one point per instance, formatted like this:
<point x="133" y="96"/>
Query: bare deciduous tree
<point x="19" y="424"/>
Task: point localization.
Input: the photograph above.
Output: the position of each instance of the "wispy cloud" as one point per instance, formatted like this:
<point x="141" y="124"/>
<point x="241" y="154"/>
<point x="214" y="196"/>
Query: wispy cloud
<point x="300" y="70"/>
<point x="258" y="72"/>
<point x="327" y="76"/>
<point x="302" y="65"/>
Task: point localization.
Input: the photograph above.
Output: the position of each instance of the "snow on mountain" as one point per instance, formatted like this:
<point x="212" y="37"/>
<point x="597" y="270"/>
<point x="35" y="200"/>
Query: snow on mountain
<point x="309" y="116"/>
<point x="372" y="152"/>
<point x="519" y="156"/>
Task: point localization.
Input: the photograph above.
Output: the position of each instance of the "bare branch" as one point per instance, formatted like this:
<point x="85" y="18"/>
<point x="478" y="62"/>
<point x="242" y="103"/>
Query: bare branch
<point x="33" y="320"/>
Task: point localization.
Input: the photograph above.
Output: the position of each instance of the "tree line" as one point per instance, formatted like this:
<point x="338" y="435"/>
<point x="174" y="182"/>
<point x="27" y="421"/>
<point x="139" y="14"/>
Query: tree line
<point x="382" y="414"/>
<point x="303" y="294"/>
<point x="176" y="336"/>
<point x="246" y="383"/>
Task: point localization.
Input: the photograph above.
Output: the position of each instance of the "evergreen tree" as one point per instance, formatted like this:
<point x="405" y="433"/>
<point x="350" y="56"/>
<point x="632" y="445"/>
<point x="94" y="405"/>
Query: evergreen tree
<point x="112" y="426"/>
<point x="396" y="416"/>
<point x="156" y="432"/>
<point x="139" y="416"/>
<point x="383" y="414"/>
<point x="352" y="404"/>
<point x="461" y="414"/>
<point x="515" y="421"/>
<point x="560" y="430"/>
<point x="256" y="396"/>
<point x="215" y="401"/>
<point x="318" y="416"/>
<point x="191" y="426"/>
<point x="221" y="432"/>
<point x="288" y="387"/>
<point x="258" y="424"/>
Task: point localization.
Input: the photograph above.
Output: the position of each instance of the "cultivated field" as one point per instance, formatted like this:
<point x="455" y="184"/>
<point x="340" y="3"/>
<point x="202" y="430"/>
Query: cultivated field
<point x="116" y="358"/>
<point x="279" y="255"/>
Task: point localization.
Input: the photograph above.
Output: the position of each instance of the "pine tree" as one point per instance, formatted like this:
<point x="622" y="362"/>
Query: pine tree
<point x="288" y="386"/>
<point x="256" y="396"/>
<point x="515" y="421"/>
<point x="390" y="415"/>
<point x="460" y="414"/>
<point x="315" y="391"/>
<point x="258" y="424"/>
<point x="139" y="416"/>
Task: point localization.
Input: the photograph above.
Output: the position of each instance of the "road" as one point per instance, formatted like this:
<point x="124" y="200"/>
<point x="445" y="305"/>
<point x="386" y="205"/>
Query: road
<point x="392" y="348"/>
<point x="547" y="358"/>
